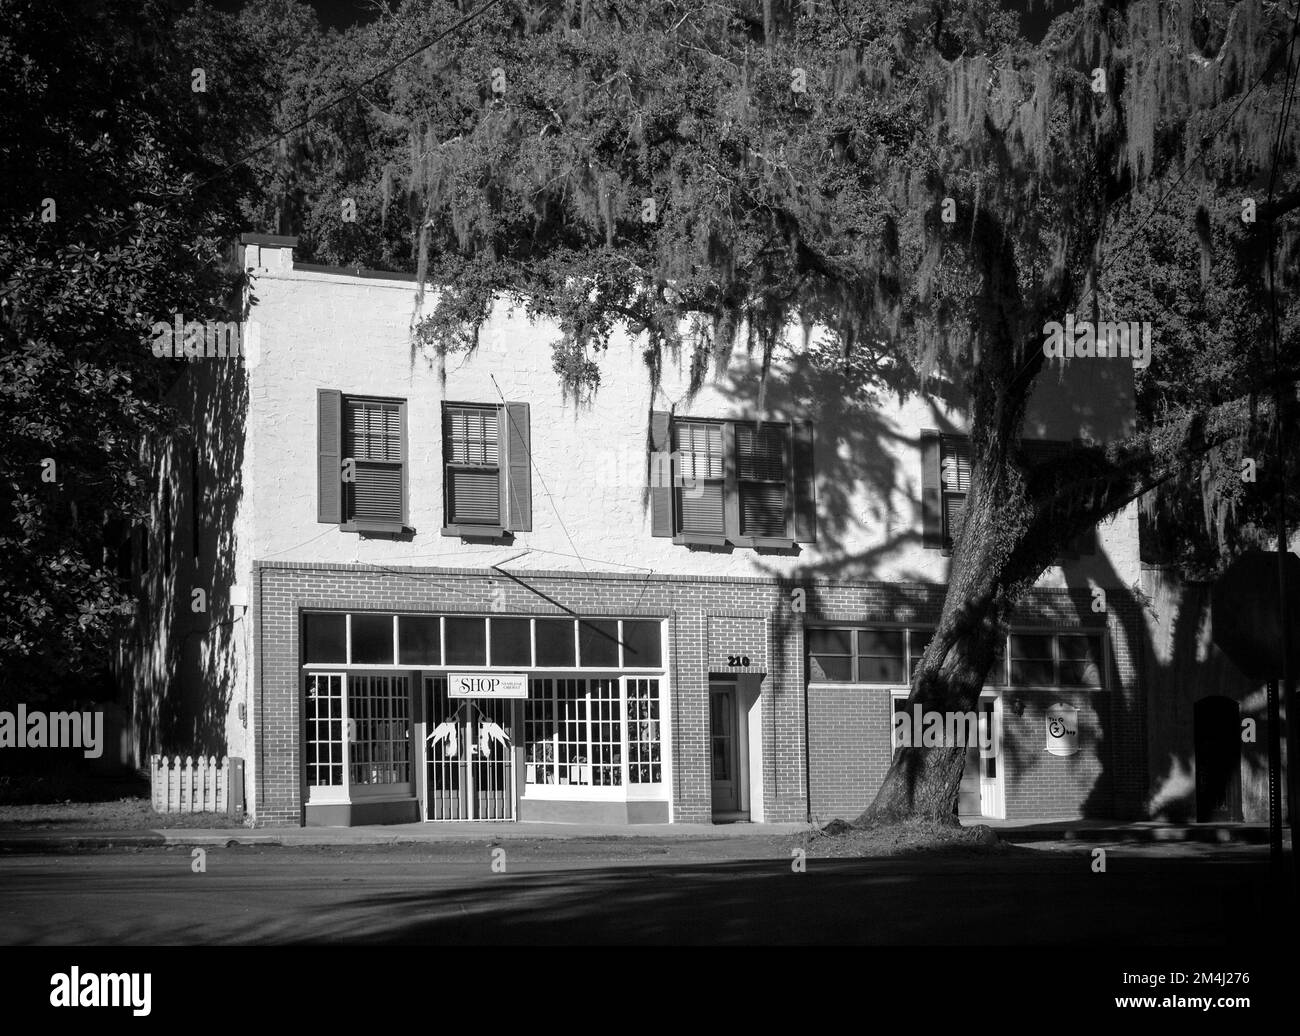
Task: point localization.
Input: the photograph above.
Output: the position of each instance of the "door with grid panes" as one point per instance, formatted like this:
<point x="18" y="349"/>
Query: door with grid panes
<point x="469" y="756"/>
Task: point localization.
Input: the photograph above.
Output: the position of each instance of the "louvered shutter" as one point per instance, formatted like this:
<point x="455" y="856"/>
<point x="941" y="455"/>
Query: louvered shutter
<point x="661" y="474"/>
<point x="931" y="491"/>
<point x="805" y="498"/>
<point x="519" y="469"/>
<point x="329" y="429"/>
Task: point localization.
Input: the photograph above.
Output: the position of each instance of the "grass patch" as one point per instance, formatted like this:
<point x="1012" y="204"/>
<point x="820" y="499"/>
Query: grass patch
<point x="899" y="838"/>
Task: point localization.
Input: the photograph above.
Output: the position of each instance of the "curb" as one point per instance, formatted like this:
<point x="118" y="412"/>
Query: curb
<point x="1209" y="834"/>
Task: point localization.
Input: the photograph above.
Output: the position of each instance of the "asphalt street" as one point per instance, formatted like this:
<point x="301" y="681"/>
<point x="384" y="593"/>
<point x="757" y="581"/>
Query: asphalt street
<point x="631" y="893"/>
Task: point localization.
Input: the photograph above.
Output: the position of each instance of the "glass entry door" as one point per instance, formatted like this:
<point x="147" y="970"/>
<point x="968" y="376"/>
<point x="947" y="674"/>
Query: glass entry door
<point x="469" y="753"/>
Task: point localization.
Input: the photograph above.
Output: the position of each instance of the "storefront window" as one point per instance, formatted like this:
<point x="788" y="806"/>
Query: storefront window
<point x="324" y="715"/>
<point x="644" y="765"/>
<point x="574" y="732"/>
<point x="379" y="714"/>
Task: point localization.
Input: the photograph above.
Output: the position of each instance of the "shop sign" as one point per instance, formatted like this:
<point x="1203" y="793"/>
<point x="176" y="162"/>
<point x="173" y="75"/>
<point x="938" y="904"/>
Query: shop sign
<point x="1063" y="729"/>
<point x="487" y="685"/>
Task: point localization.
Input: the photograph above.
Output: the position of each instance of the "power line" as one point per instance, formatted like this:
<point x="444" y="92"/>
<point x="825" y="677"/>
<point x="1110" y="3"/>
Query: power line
<point x="533" y="466"/>
<point x="343" y="96"/>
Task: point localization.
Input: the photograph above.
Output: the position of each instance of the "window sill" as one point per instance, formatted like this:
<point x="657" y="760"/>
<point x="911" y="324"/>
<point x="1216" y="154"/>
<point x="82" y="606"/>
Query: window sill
<point x="476" y="532"/>
<point x="699" y="539"/>
<point x="377" y="528"/>
<point x="764" y="542"/>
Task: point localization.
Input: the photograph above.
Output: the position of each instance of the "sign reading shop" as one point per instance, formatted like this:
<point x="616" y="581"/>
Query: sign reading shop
<point x="487" y="685"/>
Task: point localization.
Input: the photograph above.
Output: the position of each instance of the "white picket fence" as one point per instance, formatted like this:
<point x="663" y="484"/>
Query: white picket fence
<point x="190" y="785"/>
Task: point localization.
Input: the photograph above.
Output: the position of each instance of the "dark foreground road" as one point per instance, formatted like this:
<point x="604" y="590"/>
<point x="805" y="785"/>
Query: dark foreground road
<point x="618" y="893"/>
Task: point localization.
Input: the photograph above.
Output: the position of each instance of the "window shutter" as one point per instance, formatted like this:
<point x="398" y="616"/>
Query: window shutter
<point x="329" y="434"/>
<point x="519" y="468"/>
<point x="931" y="493"/>
<point x="805" y="494"/>
<point x="661" y="475"/>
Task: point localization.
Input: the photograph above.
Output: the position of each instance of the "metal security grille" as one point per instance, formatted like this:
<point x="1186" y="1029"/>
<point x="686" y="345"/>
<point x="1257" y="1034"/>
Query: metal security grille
<point x="379" y="715"/>
<point x="471" y="772"/>
<point x="472" y="451"/>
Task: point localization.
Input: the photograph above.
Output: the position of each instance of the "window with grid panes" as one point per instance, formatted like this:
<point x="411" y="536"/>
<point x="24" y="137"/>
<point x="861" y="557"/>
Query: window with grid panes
<point x="472" y="453"/>
<point x="324" y="730"/>
<point x="644" y="765"/>
<point x="701" y="474"/>
<point x="762" y="466"/>
<point x="372" y="436"/>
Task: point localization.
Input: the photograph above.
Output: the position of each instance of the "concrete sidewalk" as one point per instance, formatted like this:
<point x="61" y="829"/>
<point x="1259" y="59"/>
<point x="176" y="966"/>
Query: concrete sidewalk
<point x="1071" y="829"/>
<point x="385" y="834"/>
<point x="1067" y="829"/>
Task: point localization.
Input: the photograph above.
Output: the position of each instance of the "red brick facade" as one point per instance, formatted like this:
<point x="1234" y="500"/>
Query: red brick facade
<point x="837" y="749"/>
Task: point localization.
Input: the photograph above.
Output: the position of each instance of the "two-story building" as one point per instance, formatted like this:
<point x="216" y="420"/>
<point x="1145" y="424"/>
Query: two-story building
<point x="452" y="591"/>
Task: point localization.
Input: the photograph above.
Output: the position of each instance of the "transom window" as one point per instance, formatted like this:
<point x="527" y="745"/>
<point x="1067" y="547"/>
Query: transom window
<point x="1024" y="659"/>
<point x="382" y="638"/>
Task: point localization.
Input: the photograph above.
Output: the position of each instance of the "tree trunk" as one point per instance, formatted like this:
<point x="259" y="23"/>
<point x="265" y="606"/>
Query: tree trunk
<point x="924" y="782"/>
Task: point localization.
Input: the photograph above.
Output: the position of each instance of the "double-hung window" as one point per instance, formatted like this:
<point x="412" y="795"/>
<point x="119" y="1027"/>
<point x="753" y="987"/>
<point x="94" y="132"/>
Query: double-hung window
<point x="946" y="478"/>
<point x="487" y="469"/>
<point x="361" y="462"/>
<point x="737" y="483"/>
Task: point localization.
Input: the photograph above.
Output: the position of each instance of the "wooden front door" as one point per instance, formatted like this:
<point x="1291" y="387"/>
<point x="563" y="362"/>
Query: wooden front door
<point x="1217" y="722"/>
<point x="722" y="731"/>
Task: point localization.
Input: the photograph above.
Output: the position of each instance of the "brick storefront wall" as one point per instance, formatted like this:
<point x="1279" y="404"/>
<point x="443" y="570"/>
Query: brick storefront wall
<point x="848" y="729"/>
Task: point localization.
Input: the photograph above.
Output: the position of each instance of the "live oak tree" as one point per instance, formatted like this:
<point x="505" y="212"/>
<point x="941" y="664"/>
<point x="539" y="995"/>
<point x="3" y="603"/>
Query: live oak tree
<point x="699" y="171"/>
<point x="107" y="137"/>
<point x="912" y="175"/>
